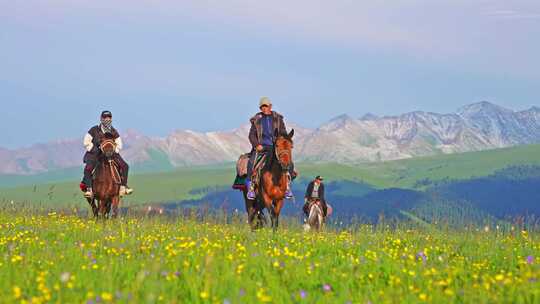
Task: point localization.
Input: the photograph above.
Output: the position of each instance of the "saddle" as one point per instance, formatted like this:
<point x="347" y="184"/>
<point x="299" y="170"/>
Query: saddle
<point x="242" y="165"/>
<point x="242" y="169"/>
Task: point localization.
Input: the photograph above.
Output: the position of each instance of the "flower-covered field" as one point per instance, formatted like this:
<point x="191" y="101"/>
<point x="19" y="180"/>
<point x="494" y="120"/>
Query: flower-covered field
<point x="67" y="259"/>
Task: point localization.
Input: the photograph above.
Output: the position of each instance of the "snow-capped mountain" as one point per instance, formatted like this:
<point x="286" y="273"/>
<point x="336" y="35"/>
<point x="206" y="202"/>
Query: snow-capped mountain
<point x="344" y="139"/>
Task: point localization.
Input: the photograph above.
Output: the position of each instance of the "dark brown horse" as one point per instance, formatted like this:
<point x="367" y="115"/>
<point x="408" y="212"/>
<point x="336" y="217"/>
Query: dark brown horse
<point x="106" y="183"/>
<point x="273" y="184"/>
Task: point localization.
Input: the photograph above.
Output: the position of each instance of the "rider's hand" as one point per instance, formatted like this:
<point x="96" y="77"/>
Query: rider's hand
<point x="259" y="148"/>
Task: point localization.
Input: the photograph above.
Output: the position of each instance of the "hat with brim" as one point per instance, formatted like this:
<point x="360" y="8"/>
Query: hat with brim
<point x="265" y="101"/>
<point x="318" y="177"/>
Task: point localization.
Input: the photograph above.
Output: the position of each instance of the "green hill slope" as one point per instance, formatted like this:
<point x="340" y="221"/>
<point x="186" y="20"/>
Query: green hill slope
<point x="179" y="184"/>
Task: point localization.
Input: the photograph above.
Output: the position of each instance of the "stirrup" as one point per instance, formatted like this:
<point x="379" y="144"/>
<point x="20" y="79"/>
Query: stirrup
<point x="289" y="194"/>
<point x="251" y="195"/>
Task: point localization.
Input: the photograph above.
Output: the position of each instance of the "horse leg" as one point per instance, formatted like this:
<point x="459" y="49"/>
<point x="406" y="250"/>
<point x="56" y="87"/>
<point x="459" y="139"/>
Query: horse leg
<point x="320" y="219"/>
<point x="261" y="218"/>
<point x="95" y="208"/>
<point x="251" y="212"/>
<point x="268" y="203"/>
<point x="272" y="218"/>
<point x="92" y="203"/>
<point x="277" y="210"/>
<point x="109" y="205"/>
<point x="102" y="208"/>
<point x="314" y="219"/>
<point x="115" y="201"/>
<point x="316" y="224"/>
<point x="259" y="211"/>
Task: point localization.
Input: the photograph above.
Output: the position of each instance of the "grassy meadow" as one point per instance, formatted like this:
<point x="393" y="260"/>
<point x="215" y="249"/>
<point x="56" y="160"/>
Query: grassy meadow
<point x="55" y="258"/>
<point x="48" y="256"/>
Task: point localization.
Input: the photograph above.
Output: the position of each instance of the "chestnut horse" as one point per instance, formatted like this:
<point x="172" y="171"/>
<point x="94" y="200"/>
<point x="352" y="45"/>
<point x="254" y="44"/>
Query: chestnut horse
<point x="106" y="183"/>
<point x="273" y="184"/>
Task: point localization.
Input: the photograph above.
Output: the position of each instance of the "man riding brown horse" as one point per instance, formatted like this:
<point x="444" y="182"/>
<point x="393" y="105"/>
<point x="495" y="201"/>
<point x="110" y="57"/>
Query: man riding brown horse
<point x="92" y="142"/>
<point x="275" y="178"/>
<point x="315" y="192"/>
<point x="107" y="181"/>
<point x="262" y="136"/>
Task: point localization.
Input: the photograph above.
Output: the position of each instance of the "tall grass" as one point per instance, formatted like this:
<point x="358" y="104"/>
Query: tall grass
<point x="63" y="257"/>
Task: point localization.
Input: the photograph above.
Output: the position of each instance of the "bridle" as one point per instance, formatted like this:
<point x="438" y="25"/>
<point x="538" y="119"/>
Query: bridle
<point x="281" y="153"/>
<point x="105" y="144"/>
<point x="109" y="143"/>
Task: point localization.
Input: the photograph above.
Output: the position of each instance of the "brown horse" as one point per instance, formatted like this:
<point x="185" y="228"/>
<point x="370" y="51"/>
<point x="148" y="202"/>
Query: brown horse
<point x="273" y="184"/>
<point x="106" y="183"/>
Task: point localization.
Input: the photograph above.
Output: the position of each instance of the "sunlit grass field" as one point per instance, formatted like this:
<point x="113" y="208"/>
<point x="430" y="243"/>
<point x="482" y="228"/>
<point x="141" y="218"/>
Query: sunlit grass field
<point x="54" y="258"/>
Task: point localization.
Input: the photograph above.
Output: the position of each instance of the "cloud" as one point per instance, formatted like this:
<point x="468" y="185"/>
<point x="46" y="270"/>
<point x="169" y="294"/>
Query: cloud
<point x="474" y="33"/>
<point x="512" y="14"/>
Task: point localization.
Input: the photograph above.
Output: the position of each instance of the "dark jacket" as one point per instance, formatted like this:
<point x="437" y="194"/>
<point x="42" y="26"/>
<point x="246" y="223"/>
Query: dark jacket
<point x="98" y="136"/>
<point x="309" y="191"/>
<point x="93" y="139"/>
<point x="255" y="133"/>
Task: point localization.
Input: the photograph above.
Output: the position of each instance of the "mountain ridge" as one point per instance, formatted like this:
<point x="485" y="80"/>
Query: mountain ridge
<point x="342" y="139"/>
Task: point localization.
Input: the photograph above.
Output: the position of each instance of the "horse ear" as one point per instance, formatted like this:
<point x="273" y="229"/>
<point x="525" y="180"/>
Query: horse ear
<point x="276" y="133"/>
<point x="291" y="134"/>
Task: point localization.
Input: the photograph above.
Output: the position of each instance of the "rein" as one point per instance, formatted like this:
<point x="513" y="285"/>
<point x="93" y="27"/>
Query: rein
<point x="112" y="164"/>
<point x="114" y="172"/>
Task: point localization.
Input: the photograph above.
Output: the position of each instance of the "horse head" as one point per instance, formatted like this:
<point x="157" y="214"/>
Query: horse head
<point x="283" y="148"/>
<point x="108" y="147"/>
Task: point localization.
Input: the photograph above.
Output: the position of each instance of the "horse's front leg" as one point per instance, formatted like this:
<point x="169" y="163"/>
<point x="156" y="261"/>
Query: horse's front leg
<point x="268" y="203"/>
<point x="115" y="202"/>
<point x="102" y="209"/>
<point x="272" y="218"/>
<point x="92" y="203"/>
<point x="277" y="211"/>
<point x="251" y="212"/>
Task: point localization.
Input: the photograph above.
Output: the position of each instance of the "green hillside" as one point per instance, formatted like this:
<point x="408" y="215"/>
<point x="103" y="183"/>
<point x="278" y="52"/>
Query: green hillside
<point x="179" y="184"/>
<point x="460" y="166"/>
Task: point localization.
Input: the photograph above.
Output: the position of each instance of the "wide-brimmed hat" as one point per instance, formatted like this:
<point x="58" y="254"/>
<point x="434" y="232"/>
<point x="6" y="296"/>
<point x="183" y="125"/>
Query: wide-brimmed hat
<point x="318" y="177"/>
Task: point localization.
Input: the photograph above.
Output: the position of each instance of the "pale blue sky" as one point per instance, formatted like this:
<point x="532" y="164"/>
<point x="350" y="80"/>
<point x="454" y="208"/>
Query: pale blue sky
<point x="203" y="65"/>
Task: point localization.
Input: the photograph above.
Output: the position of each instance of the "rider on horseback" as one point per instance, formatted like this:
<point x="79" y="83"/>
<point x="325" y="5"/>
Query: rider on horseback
<point x="92" y="142"/>
<point x="314" y="192"/>
<point x="262" y="138"/>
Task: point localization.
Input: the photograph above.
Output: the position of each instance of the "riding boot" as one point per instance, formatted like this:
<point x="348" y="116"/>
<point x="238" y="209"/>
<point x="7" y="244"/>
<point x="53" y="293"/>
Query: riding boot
<point x="87" y="178"/>
<point x="89" y="193"/>
<point x="125" y="190"/>
<point x="124" y="173"/>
